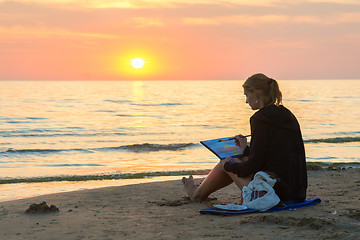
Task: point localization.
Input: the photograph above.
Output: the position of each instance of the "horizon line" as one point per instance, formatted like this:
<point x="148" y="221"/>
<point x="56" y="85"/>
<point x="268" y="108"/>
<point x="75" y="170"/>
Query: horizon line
<point x="128" y="80"/>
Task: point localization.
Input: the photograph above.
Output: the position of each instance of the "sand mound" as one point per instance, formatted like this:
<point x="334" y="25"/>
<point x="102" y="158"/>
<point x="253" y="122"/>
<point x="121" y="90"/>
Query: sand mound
<point x="41" y="208"/>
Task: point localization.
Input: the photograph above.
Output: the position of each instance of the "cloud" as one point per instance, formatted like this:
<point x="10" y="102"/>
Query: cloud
<point x="142" y="3"/>
<point x="356" y="2"/>
<point x="153" y="4"/>
<point x="308" y="19"/>
<point x="248" y="20"/>
<point x="353" y="17"/>
<point x="238" y="20"/>
<point x="147" y="22"/>
<point x="333" y="19"/>
<point x="36" y="33"/>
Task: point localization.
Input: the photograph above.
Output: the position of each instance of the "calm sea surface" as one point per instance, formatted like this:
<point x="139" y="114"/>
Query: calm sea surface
<point x="87" y="131"/>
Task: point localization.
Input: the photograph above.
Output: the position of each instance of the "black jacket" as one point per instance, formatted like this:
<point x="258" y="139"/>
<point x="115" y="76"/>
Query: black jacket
<point x="276" y="146"/>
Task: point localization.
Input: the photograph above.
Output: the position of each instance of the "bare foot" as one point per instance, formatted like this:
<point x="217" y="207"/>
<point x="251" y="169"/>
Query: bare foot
<point x="189" y="186"/>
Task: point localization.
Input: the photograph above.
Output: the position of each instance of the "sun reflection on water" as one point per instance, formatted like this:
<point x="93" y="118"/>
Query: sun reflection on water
<point x="137" y="91"/>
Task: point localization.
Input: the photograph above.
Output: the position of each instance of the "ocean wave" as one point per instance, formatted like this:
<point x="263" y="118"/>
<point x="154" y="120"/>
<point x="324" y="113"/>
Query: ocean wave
<point x="48" y="134"/>
<point x="18" y="122"/>
<point x="41" y="151"/>
<point x="347" y="97"/>
<point x="347" y="133"/>
<point x="140" y="175"/>
<point x="148" y="147"/>
<point x="117" y="101"/>
<point x="73" y="165"/>
<point x="205" y="126"/>
<point x="334" y="164"/>
<point x="146" y="104"/>
<point x="156" y="104"/>
<point x="144" y="147"/>
<point x="78" y="178"/>
<point x="333" y="140"/>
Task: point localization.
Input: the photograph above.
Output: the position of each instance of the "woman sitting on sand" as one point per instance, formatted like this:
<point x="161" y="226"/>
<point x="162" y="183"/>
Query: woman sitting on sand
<point x="276" y="146"/>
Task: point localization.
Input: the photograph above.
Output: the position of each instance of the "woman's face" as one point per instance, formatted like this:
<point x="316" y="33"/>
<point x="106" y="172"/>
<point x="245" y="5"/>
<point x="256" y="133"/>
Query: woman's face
<point x="252" y="99"/>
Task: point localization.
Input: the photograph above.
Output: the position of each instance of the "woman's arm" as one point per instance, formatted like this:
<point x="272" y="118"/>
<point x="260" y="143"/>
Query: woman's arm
<point x="257" y="154"/>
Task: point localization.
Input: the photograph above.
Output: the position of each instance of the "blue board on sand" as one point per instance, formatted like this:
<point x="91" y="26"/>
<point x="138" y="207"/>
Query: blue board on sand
<point x="217" y="211"/>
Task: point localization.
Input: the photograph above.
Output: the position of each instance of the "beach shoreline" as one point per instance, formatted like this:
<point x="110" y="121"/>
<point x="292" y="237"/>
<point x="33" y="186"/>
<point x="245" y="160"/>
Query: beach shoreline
<point x="17" y="191"/>
<point x="19" y="188"/>
<point x="161" y="210"/>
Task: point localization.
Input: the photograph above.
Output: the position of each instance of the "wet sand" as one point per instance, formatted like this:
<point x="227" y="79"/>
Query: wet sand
<point x="161" y="210"/>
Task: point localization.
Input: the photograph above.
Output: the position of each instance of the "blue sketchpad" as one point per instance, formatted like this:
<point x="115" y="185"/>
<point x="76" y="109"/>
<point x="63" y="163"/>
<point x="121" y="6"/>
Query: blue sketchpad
<point x="217" y="211"/>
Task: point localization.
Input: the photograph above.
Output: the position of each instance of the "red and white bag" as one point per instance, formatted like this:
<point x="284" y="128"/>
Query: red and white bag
<point x="260" y="194"/>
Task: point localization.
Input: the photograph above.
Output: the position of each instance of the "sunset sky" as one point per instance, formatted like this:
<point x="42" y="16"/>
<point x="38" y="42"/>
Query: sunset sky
<point x="179" y="39"/>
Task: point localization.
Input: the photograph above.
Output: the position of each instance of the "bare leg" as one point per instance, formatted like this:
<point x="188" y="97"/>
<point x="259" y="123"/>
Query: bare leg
<point x="218" y="178"/>
<point x="214" y="181"/>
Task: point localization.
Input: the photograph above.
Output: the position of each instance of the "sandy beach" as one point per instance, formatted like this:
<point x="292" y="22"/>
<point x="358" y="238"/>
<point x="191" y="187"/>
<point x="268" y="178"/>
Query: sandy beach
<point x="161" y="210"/>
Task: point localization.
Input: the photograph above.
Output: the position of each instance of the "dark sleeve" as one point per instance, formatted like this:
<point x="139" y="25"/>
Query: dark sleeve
<point x="246" y="151"/>
<point x="258" y="151"/>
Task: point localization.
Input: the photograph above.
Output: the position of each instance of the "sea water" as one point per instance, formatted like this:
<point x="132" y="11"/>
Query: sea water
<point x="95" y="132"/>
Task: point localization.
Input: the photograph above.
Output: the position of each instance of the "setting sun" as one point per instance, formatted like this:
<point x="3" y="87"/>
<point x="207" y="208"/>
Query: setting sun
<point x="137" y="63"/>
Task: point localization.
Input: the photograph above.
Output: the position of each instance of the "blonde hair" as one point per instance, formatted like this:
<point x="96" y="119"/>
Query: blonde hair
<point x="268" y="87"/>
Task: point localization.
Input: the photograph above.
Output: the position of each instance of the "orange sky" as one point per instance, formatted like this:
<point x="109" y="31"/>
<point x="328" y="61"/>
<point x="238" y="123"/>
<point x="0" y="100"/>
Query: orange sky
<point x="179" y="39"/>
